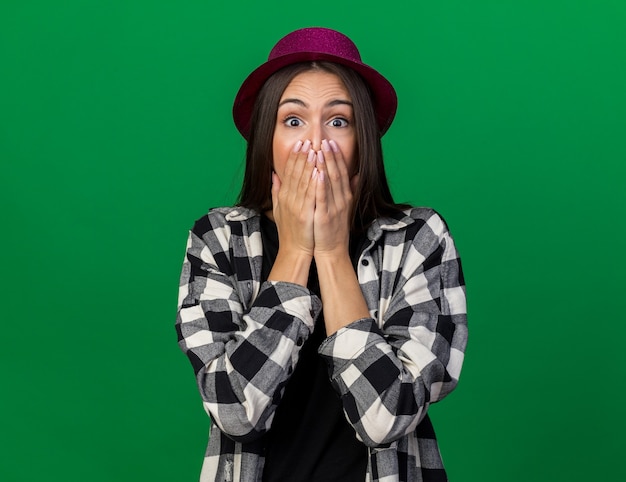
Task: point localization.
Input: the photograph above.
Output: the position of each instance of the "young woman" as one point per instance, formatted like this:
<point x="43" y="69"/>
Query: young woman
<point x="321" y="318"/>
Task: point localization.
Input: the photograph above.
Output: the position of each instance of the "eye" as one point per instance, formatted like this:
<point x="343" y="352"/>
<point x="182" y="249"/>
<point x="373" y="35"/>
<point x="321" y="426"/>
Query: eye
<point x="339" y="122"/>
<point x="292" y="122"/>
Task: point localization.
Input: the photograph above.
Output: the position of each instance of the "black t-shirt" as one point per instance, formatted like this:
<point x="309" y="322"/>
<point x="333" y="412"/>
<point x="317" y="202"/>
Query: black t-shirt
<point x="310" y="439"/>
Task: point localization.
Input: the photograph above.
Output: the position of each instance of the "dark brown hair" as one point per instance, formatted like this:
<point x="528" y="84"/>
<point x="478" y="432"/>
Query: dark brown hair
<point x="372" y="198"/>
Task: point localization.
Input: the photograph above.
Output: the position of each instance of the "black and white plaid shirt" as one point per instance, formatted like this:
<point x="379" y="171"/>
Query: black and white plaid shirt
<point x="243" y="338"/>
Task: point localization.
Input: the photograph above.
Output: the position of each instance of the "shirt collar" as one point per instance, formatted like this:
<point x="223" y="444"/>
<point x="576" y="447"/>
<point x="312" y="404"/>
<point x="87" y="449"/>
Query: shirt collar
<point x="238" y="213"/>
<point x="390" y="223"/>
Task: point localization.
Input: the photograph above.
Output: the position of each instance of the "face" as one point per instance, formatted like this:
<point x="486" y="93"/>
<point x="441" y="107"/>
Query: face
<point x="314" y="106"/>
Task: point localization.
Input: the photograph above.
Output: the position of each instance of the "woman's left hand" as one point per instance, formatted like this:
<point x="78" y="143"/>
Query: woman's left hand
<point x="333" y="202"/>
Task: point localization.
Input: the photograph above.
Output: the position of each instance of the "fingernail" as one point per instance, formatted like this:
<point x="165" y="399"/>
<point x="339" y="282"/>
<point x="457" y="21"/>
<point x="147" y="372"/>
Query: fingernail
<point x="311" y="156"/>
<point x="325" y="145"/>
<point x="320" y="157"/>
<point x="321" y="176"/>
<point x="306" y="146"/>
<point x="334" y="146"/>
<point x="297" y="147"/>
<point x="314" y="173"/>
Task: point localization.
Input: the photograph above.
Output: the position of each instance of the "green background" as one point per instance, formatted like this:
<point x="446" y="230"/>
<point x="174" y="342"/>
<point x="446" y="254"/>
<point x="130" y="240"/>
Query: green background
<point x="116" y="134"/>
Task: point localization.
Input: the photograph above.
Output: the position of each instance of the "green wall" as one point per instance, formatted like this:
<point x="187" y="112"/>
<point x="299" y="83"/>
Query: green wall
<point x="116" y="134"/>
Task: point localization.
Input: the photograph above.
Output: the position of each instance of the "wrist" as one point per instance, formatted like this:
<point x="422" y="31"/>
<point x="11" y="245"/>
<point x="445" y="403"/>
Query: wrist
<point x="331" y="263"/>
<point x="291" y="266"/>
<point x="332" y="256"/>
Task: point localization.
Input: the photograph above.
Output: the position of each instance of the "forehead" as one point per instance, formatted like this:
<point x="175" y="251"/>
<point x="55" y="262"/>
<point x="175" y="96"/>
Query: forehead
<point x="316" y="84"/>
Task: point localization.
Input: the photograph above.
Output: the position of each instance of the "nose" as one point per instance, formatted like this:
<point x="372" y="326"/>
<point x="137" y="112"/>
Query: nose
<point x="316" y="134"/>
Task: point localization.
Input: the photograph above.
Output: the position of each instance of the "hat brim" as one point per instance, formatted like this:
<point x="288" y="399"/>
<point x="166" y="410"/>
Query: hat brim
<point x="384" y="95"/>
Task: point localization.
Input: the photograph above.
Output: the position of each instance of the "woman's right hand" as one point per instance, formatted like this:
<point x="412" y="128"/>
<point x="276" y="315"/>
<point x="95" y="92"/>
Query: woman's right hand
<point x="293" y="199"/>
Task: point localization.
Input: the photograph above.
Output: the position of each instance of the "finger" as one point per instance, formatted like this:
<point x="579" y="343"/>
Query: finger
<point x="299" y="198"/>
<point x="340" y="166"/>
<point x="333" y="174"/>
<point x="307" y="171"/>
<point x="321" y="192"/>
<point x="275" y="183"/>
<point x="299" y="165"/>
<point x="275" y="190"/>
<point x="293" y="161"/>
<point x="309" y="201"/>
<point x="324" y="156"/>
<point x="296" y="164"/>
<point x="289" y="165"/>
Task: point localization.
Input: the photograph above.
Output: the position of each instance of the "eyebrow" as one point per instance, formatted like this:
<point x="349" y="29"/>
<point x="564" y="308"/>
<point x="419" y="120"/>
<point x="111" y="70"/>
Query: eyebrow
<point x="299" y="102"/>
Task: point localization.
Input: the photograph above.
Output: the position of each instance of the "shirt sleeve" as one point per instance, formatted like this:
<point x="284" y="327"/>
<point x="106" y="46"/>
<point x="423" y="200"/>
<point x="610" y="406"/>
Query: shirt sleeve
<point x="389" y="372"/>
<point x="242" y="358"/>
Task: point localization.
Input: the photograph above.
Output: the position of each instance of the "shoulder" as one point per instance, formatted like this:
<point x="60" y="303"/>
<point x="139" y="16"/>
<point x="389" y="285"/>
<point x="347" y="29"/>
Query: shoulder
<point x="419" y="232"/>
<point x="223" y="233"/>
<point x="430" y="219"/>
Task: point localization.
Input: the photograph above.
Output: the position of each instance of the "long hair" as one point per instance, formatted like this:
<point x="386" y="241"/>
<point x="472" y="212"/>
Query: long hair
<point x="372" y="198"/>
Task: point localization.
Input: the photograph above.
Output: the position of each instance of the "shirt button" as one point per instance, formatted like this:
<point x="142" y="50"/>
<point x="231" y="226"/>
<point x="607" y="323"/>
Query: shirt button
<point x="299" y="342"/>
<point x="365" y="262"/>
